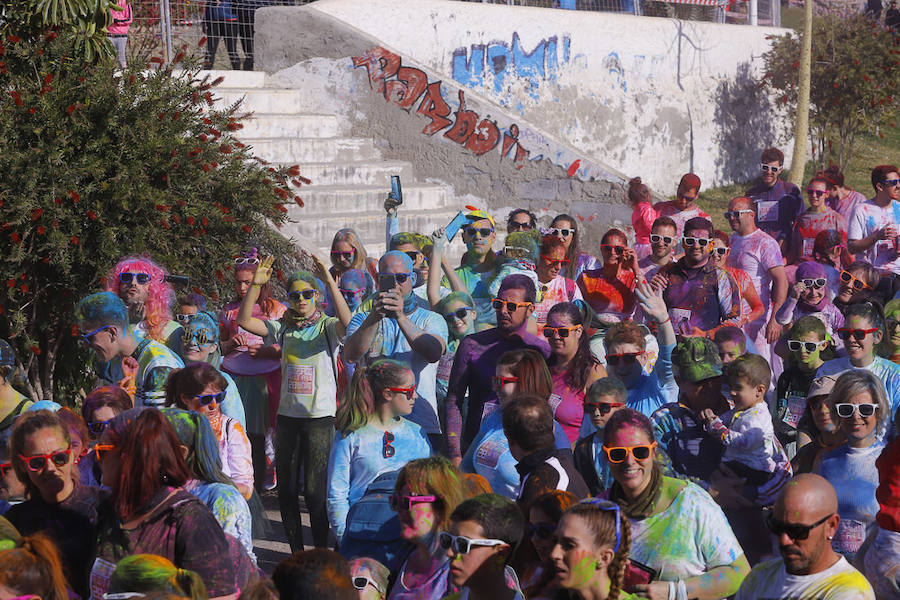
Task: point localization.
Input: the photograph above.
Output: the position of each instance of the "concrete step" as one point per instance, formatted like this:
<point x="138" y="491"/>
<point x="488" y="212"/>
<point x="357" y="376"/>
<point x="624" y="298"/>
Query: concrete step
<point x="296" y="150"/>
<point x="373" y="173"/>
<point x="327" y="199"/>
<point x="368" y="225"/>
<point x="268" y="125"/>
<point x="240" y="80"/>
<point x="261" y="100"/>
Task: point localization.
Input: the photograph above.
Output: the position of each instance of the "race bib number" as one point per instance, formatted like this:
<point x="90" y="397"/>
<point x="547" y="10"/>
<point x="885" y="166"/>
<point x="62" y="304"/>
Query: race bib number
<point x="555" y="400"/>
<point x="796" y="405"/>
<point x="885" y="247"/>
<point x="681" y="320"/>
<point x="767" y="211"/>
<point x="301" y="379"/>
<point x="489" y="453"/>
<point x="849" y="537"/>
<point x="101" y="573"/>
<point x="808" y="244"/>
<point x="488" y="408"/>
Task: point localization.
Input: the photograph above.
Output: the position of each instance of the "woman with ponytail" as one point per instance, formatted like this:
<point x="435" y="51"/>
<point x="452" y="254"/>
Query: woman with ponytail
<point x="32" y="569"/>
<point x="593" y="539"/>
<point x="310" y="343"/>
<point x="147" y="573"/>
<point x="373" y="437"/>
<point x="677" y="529"/>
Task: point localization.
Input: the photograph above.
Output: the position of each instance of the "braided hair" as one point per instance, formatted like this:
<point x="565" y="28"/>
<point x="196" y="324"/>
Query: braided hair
<point x="602" y="524"/>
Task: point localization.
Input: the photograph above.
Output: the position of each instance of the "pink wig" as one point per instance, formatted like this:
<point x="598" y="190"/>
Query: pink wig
<point x="160" y="296"/>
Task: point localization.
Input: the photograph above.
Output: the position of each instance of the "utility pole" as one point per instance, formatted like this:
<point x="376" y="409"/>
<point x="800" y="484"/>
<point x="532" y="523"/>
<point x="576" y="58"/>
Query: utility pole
<point x="801" y="126"/>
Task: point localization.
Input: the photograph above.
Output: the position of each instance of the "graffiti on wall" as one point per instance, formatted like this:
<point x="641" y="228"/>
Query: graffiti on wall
<point x="499" y="61"/>
<point x="409" y="88"/>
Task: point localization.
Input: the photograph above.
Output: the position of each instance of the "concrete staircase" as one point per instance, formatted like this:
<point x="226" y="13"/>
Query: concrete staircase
<point x="349" y="177"/>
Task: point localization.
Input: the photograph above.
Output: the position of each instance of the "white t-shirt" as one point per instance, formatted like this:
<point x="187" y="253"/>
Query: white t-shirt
<point x="868" y="218"/>
<point x="756" y="254"/>
<point x="770" y="581"/>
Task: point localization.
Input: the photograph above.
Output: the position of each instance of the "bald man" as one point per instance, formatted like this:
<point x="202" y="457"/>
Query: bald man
<point x="757" y="253"/>
<point x="804" y="521"/>
<point x="397" y="327"/>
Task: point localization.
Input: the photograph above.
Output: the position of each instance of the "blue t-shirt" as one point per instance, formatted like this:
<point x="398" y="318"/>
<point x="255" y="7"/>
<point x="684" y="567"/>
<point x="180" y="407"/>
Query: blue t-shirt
<point x="357" y="459"/>
<point x="390" y="342"/>
<point x="489" y="455"/>
<point x="853" y="474"/>
<point x="656" y="389"/>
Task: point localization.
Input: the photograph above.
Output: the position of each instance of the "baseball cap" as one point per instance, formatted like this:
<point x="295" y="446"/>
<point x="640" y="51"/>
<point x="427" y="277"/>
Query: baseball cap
<point x="695" y="359"/>
<point x="821" y="386"/>
<point x="475" y="214"/>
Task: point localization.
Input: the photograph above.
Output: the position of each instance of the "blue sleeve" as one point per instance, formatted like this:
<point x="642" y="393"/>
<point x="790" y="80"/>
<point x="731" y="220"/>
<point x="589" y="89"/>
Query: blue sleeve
<point x="355" y="322"/>
<point x="338" y="499"/>
<point x="392" y="227"/>
<point x="665" y="375"/>
<point x="436" y="325"/>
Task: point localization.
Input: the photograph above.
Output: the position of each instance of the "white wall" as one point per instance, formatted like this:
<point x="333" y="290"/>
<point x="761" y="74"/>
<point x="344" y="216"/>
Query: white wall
<point x="647" y="96"/>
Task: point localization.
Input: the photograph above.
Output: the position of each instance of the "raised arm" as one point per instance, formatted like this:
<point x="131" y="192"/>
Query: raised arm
<point x="341" y="310"/>
<point x="245" y="316"/>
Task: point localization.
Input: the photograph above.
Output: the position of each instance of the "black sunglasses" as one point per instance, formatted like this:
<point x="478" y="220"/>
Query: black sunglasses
<point x="795" y="532"/>
<point x="628" y="358"/>
<point x="542" y="531"/>
<point x="142" y="278"/>
<point x="516" y="226"/>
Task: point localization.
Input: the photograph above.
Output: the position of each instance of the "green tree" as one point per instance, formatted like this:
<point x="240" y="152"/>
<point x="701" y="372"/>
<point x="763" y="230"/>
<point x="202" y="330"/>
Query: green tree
<point x="97" y="164"/>
<point x="853" y="82"/>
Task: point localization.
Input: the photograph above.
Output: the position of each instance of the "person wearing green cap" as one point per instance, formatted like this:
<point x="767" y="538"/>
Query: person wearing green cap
<point x="678" y="427"/>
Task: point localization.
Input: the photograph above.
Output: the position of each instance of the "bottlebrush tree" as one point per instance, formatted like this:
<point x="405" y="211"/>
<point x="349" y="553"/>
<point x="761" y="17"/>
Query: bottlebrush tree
<point x="854" y="86"/>
<point x="99" y="163"/>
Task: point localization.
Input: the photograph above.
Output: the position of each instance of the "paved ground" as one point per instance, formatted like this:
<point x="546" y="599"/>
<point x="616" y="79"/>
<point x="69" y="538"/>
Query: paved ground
<point x="271" y="551"/>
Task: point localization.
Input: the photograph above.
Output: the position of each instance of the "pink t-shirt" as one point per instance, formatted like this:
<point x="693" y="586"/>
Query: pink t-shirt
<point x="568" y="406"/>
<point x="808" y="225"/>
<point x="756" y="254"/>
<point x="642" y="218"/>
<point x="228" y="320"/>
<point x="669" y="209"/>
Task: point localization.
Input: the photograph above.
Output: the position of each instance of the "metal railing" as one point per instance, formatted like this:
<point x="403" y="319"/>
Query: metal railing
<point x="220" y="32"/>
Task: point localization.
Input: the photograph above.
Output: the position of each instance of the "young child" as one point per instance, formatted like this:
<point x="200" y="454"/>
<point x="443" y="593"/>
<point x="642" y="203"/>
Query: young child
<point x="806" y="342"/>
<point x="520" y="256"/>
<point x="732" y="343"/>
<point x="642" y="216"/>
<point x="809" y="296"/>
<point x="603" y="399"/>
<point x="484" y="533"/>
<point x="746" y="432"/>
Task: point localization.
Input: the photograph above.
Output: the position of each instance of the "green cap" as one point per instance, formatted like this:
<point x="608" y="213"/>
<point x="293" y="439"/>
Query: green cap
<point x="695" y="359"/>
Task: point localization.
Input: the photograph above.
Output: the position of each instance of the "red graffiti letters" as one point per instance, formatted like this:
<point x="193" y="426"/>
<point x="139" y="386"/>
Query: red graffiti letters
<point x="404" y="86"/>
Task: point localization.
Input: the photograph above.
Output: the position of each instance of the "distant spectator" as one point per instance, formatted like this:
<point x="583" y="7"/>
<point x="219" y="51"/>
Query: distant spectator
<point x="777" y="202"/>
<point x="117" y="31"/>
<point x="683" y="208"/>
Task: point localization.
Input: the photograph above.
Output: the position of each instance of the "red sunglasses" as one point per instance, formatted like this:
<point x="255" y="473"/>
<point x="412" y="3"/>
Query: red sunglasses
<point x="408" y="392"/>
<point x="555" y="262"/>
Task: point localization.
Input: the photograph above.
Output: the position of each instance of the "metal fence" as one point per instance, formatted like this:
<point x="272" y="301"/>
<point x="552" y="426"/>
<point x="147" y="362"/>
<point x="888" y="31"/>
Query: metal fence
<point x="219" y="33"/>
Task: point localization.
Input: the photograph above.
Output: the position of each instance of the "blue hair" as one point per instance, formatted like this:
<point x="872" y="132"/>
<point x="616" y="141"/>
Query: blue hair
<point x="401" y="256"/>
<point x="102" y="308"/>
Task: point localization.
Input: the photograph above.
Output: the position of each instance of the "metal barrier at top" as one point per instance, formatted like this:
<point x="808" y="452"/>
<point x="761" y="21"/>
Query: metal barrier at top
<point x="220" y="32"/>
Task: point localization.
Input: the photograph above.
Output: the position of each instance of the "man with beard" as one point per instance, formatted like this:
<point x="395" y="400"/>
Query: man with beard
<point x="804" y="521"/>
<point x="141" y="285"/>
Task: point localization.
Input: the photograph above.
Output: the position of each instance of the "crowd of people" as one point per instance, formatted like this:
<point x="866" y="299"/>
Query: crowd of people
<point x="692" y="414"/>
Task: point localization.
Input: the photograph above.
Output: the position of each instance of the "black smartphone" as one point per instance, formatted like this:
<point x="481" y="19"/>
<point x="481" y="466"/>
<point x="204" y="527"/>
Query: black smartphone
<point x="386" y="282"/>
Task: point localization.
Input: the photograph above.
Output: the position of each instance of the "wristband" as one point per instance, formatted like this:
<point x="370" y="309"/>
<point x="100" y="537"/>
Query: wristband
<point x="668" y="320"/>
<point x="254" y="284"/>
